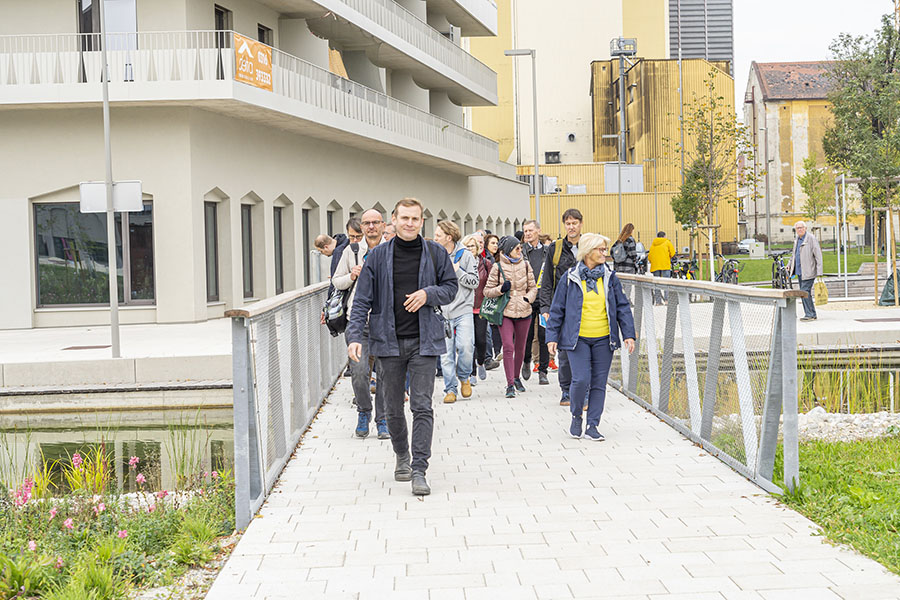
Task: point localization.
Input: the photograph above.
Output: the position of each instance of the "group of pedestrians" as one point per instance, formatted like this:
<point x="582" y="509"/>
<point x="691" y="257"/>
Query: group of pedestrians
<point x="414" y="303"/>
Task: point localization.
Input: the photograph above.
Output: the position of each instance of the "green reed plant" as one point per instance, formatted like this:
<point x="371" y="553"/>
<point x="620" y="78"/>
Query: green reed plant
<point x="186" y="446"/>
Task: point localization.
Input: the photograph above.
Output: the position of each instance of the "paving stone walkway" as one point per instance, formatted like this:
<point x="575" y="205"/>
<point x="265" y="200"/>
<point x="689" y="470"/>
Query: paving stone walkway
<point x="520" y="510"/>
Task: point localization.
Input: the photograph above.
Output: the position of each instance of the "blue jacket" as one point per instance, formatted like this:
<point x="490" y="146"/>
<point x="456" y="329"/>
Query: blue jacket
<point x="374" y="300"/>
<point x="565" y="311"/>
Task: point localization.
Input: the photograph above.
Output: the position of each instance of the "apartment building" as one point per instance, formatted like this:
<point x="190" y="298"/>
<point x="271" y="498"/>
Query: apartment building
<point x="253" y="125"/>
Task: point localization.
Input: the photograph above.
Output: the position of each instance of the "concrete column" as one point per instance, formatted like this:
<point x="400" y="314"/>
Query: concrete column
<point x="403" y="88"/>
<point x="416" y="7"/>
<point x="295" y="38"/>
<point x="442" y="106"/>
<point x="362" y="70"/>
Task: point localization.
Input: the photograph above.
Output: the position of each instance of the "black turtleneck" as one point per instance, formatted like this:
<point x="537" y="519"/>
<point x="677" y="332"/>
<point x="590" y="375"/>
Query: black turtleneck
<point x="407" y="256"/>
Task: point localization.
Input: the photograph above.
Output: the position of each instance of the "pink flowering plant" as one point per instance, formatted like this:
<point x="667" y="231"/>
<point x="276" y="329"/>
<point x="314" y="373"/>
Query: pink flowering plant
<point x="74" y="522"/>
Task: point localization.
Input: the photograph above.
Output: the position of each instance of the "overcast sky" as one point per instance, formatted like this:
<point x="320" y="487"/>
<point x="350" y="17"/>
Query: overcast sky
<point x="793" y="30"/>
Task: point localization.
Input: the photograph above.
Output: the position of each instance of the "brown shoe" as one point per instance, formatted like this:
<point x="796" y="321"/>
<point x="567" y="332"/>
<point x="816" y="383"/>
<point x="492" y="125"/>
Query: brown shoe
<point x="450" y="398"/>
<point x="465" y="388"/>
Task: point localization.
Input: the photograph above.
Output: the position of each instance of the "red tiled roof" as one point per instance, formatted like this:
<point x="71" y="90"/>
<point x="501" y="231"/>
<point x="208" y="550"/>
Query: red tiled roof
<point x="794" y="80"/>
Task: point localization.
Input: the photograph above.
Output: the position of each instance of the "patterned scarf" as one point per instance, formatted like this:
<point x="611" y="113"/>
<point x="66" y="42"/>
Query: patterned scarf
<point x="590" y="276"/>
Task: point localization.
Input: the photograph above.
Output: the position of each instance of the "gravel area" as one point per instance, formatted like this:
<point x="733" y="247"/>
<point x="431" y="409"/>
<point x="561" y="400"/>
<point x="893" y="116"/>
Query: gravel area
<point x="194" y="584"/>
<point x="818" y="424"/>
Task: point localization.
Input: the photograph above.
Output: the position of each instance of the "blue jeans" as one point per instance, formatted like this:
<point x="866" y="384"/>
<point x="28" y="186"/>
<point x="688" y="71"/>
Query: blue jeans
<point x="659" y="297"/>
<point x="590" y="361"/>
<point x="456" y="363"/>
<point x="809" y="304"/>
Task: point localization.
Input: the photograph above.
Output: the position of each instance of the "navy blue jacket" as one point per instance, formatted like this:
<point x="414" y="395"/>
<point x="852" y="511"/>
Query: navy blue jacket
<point x="374" y="300"/>
<point x="565" y="312"/>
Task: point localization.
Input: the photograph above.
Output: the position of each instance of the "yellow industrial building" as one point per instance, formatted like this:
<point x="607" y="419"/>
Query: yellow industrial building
<point x="651" y="118"/>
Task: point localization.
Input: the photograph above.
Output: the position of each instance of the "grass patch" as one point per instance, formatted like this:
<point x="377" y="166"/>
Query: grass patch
<point x="852" y="491"/>
<point x="760" y="269"/>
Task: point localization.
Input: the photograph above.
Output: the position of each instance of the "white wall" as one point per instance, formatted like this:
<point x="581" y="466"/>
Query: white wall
<point x="563" y="72"/>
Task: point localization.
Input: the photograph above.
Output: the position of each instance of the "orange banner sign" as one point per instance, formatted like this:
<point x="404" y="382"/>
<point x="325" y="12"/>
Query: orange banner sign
<point x="253" y="62"/>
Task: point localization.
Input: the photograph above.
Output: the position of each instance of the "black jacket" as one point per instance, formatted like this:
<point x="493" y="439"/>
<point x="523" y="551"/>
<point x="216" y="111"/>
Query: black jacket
<point x="629" y="265"/>
<point x="550" y="277"/>
<point x="535" y="256"/>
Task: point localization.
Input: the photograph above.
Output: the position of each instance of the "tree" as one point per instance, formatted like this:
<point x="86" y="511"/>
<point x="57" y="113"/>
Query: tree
<point x="817" y="183"/>
<point x="714" y="144"/>
<point x="864" y="137"/>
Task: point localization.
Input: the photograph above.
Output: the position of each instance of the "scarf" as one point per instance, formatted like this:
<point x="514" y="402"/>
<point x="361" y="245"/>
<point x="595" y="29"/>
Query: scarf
<point x="513" y="260"/>
<point x="590" y="276"/>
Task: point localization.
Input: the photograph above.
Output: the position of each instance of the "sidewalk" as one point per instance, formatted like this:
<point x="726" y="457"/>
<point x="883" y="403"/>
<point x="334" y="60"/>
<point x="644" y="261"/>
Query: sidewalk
<point x="520" y="510"/>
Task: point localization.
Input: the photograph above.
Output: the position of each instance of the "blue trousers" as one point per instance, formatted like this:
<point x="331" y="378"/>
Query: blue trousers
<point x="456" y="362"/>
<point x="809" y="304"/>
<point x="590" y="362"/>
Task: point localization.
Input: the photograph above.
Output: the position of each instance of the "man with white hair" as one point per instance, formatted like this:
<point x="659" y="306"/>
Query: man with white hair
<point x="806" y="264"/>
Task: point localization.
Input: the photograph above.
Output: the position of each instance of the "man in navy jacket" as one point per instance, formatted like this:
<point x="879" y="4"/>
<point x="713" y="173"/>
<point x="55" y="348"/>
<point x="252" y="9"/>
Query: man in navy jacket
<point x="399" y="291"/>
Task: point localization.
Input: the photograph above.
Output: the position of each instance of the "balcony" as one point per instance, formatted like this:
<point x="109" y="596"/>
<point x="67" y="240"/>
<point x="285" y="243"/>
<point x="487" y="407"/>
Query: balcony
<point x="395" y="38"/>
<point x="196" y="68"/>
<point x="476" y="18"/>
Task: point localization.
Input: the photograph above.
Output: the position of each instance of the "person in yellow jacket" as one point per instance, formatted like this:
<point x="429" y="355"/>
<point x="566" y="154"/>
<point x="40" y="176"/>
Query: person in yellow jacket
<point x="660" y="257"/>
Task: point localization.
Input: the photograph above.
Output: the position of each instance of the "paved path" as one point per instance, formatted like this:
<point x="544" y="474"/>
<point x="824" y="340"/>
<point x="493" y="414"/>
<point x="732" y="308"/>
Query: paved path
<point x="520" y="510"/>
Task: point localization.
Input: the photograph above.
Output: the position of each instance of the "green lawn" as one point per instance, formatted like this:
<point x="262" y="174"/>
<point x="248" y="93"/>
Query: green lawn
<point x="852" y="491"/>
<point x="760" y="269"/>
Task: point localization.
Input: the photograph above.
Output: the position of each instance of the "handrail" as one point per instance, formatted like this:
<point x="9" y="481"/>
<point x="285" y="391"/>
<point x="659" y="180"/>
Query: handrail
<point x="258" y="309"/>
<point x="698" y="286"/>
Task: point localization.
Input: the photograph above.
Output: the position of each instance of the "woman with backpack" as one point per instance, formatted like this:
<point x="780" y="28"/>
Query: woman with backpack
<point x="624" y="251"/>
<point x="588" y="317"/>
<point x="512" y="274"/>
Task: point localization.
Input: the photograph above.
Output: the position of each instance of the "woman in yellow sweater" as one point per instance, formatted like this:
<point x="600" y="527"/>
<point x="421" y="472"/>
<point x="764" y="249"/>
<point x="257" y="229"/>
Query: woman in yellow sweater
<point x="588" y="317"/>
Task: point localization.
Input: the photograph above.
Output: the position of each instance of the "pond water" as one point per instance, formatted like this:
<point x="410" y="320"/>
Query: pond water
<point x="172" y="446"/>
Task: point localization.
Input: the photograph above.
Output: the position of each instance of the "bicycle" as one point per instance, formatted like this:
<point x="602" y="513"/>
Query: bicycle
<point x="730" y="270"/>
<point x="685" y="268"/>
<point x="781" y="279"/>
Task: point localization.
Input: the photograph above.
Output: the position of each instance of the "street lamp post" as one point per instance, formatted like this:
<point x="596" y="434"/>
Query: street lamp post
<point x="622" y="48"/>
<point x="655" y="194"/>
<point x="537" y="177"/>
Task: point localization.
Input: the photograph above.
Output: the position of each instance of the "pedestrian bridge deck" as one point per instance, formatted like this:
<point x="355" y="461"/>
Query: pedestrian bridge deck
<point x="520" y="510"/>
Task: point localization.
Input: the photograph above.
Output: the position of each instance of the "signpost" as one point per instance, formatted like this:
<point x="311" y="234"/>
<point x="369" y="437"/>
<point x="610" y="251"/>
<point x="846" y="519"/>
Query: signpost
<point x="127" y="196"/>
<point x="253" y="62"/>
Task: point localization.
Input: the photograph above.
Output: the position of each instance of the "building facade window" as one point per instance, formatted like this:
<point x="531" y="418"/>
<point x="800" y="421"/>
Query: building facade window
<point x="279" y="250"/>
<point x="211" y="224"/>
<point x="307" y="246"/>
<point x="247" y="249"/>
<point x="264" y="34"/>
<point x="329" y="223"/>
<point x="72" y="266"/>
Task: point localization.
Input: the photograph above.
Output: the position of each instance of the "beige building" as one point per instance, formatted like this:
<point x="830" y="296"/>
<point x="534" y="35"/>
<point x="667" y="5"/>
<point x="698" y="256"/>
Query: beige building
<point x="787" y="112"/>
<point x="355" y="103"/>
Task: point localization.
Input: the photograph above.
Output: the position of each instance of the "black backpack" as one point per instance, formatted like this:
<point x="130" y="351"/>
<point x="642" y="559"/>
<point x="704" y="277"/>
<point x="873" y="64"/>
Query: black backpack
<point x="336" y="317"/>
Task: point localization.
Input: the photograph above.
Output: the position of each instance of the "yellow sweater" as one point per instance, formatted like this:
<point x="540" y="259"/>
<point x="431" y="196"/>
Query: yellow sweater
<point x="594" y="320"/>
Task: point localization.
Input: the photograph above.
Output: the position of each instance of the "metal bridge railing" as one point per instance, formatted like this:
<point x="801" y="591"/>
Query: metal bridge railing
<point x="285" y="364"/>
<point x="718" y="363"/>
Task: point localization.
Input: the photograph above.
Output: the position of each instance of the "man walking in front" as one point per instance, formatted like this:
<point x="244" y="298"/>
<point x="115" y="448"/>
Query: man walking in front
<point x="345" y="278"/>
<point x="560" y="257"/>
<point x="806" y="264"/>
<point x="399" y="289"/>
<point x="536" y="253"/>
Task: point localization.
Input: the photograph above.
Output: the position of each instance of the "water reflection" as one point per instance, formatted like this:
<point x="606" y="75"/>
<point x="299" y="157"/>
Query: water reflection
<point x="171" y="445"/>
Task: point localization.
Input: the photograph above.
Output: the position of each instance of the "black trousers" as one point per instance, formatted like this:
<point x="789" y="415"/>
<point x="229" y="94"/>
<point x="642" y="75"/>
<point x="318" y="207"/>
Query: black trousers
<point x="544" y="358"/>
<point x="392" y="373"/>
<point x="480" y="340"/>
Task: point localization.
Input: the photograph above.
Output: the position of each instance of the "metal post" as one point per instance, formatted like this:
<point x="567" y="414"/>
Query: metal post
<point x="537" y="177"/>
<point x="875" y="258"/>
<point x="621" y="130"/>
<point x="656" y="194"/>
<point x="242" y="388"/>
<point x="789" y="394"/>
<point x="768" y="209"/>
<point x="847" y="234"/>
<point x="110" y="211"/>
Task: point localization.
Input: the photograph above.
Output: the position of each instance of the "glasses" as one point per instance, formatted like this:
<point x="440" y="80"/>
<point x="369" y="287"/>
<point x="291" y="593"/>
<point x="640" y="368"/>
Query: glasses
<point x="355" y="237"/>
<point x="372" y="223"/>
<point x="603" y="250"/>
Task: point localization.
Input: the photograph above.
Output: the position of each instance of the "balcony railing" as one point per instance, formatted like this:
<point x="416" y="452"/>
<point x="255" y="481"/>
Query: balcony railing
<point x="197" y="56"/>
<point x="426" y="38"/>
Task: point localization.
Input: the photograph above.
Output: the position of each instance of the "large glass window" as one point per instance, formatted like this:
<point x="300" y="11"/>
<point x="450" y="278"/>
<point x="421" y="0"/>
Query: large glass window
<point x="247" y="249"/>
<point x="279" y="251"/>
<point x="72" y="261"/>
<point x="210" y="217"/>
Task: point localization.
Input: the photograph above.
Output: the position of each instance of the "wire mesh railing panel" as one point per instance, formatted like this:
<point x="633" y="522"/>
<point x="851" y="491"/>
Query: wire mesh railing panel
<point x="285" y="364"/>
<point x="704" y="362"/>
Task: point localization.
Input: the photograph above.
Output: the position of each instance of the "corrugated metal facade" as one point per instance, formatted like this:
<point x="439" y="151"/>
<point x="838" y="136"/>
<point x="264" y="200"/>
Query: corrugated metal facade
<point x="601" y="215"/>
<point x="706" y="29"/>
<point x="651" y="115"/>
